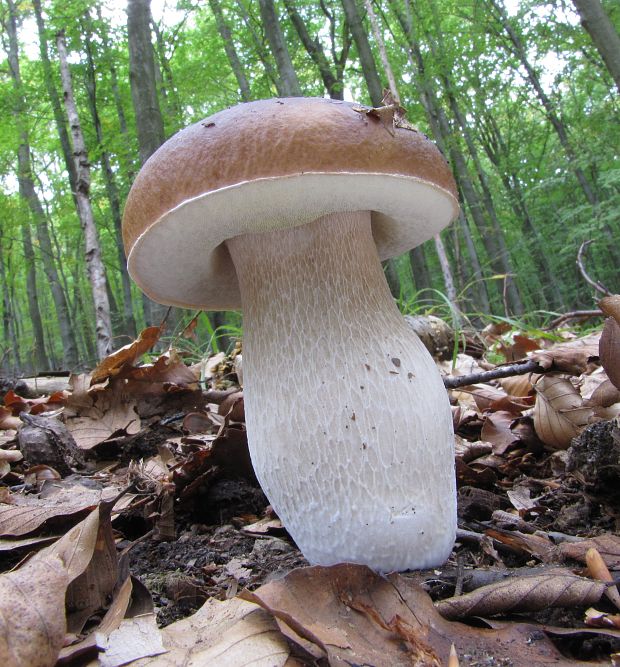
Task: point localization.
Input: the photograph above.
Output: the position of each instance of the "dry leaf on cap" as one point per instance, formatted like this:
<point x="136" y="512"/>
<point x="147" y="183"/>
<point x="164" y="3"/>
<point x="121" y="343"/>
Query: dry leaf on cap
<point x="559" y="412"/>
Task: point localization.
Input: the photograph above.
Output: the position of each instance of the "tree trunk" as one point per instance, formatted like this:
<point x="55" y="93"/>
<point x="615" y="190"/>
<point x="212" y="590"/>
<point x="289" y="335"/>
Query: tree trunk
<point x="29" y="194"/>
<point x="231" y="51"/>
<point x="39" y="356"/>
<point x="259" y="48"/>
<point x="520" y="51"/>
<point x="598" y="25"/>
<point x="369" y="67"/>
<point x="11" y="352"/>
<point x="149" y="122"/>
<point x="289" y="84"/>
<point x="419" y="269"/>
<point x="94" y="263"/>
<point x="128" y="323"/>
<point x="332" y="81"/>
<point x="168" y="89"/>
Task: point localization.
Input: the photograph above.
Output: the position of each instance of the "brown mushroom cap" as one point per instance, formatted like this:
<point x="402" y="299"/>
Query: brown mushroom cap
<point x="274" y="164"/>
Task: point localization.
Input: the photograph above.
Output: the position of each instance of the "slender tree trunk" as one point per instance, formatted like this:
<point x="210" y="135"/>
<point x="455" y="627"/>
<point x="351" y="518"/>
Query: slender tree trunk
<point x="39" y="357"/>
<point x="520" y="51"/>
<point x="443" y="136"/>
<point x="598" y="25"/>
<point x="59" y="117"/>
<point x="419" y="269"/>
<point x="168" y="89"/>
<point x="13" y="367"/>
<point x="231" y="51"/>
<point x="149" y="122"/>
<point x="332" y="81"/>
<point x="94" y="263"/>
<point x="29" y="194"/>
<point x="260" y="48"/>
<point x="128" y="322"/>
<point x="369" y="67"/>
<point x="446" y="271"/>
<point x="289" y="84"/>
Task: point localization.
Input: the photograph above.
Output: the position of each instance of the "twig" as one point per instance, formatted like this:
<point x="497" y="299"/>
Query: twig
<point x="580" y="257"/>
<point x="508" y="370"/>
<point x="573" y="315"/>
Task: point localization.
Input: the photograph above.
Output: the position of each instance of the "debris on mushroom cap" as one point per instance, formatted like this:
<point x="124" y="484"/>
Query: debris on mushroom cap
<point x="275" y="164"/>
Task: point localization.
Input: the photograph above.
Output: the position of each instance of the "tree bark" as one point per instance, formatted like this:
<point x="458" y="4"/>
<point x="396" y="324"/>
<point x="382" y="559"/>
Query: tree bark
<point x="149" y="122"/>
<point x="12" y="350"/>
<point x="367" y="60"/>
<point x="598" y="25"/>
<point x="94" y="263"/>
<point x="29" y="194"/>
<point x="128" y="322"/>
<point x="289" y="84"/>
<point x="231" y="51"/>
<point x="333" y="82"/>
<point x="419" y="269"/>
<point x="520" y="51"/>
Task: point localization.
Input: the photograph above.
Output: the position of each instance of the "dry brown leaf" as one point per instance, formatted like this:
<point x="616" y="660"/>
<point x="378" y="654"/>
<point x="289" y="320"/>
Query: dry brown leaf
<point x="532" y="545"/>
<point x="609" y="350"/>
<point x="126" y="356"/>
<point x="26" y="514"/>
<point x="608" y="546"/>
<point x="518" y="385"/>
<point x="357" y="617"/>
<point x="529" y="593"/>
<point x="8" y="422"/>
<point x="604" y="396"/>
<point x="496" y="430"/>
<point x="32" y="598"/>
<point x="559" y="412"/>
<point x="32" y="629"/>
<point x="570" y="360"/>
<point x="110" y="414"/>
<point x="233" y="633"/>
<point x="601" y="619"/>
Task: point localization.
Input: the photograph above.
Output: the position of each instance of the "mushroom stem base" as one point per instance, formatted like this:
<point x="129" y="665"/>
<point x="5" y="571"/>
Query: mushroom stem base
<point x="349" y="425"/>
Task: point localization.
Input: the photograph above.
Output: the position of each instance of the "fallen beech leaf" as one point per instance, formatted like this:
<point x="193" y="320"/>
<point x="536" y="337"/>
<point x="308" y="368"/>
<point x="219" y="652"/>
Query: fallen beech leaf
<point x="609" y="350"/>
<point x="496" y="430"/>
<point x="530" y="593"/>
<point x="604" y="396"/>
<point x="520" y="347"/>
<point x="573" y="361"/>
<point x="32" y="629"/>
<point x="559" y="413"/>
<point x="108" y="416"/>
<point x="357" y="617"/>
<point x="26" y="514"/>
<point x="608" y="546"/>
<point x="518" y="385"/>
<point x="126" y="356"/>
<point x="32" y="598"/>
<point x="233" y="633"/>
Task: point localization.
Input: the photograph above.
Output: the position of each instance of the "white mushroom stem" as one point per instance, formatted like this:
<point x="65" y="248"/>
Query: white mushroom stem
<point x="348" y="421"/>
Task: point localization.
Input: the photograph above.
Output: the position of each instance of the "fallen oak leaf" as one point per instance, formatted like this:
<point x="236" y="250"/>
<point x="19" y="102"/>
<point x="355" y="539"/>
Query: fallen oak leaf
<point x="529" y="593"/>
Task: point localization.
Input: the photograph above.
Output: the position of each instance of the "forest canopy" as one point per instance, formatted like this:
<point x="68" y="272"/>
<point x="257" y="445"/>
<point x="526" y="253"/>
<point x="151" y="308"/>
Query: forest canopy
<point x="521" y="97"/>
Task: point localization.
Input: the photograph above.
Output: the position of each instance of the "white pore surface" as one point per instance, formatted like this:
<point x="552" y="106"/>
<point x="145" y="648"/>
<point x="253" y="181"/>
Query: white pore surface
<point x="349" y="424"/>
<point x="181" y="260"/>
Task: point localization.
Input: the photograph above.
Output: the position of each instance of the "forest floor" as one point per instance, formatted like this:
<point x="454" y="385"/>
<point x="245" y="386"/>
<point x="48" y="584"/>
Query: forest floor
<point x="134" y="490"/>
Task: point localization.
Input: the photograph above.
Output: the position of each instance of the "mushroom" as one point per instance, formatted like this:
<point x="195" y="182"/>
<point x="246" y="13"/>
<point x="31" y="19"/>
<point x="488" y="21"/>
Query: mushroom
<point x="285" y="207"/>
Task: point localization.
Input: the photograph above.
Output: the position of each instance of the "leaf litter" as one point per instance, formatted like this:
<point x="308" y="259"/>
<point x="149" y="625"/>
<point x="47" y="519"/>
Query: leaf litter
<point x="170" y="555"/>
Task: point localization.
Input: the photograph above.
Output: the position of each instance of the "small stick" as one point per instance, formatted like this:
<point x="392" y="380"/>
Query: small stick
<point x="508" y="370"/>
<point x="595" y="283"/>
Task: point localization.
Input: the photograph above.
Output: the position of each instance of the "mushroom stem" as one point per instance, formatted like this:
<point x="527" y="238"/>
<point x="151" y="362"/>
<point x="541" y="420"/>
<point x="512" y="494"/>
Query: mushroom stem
<point x="349" y="424"/>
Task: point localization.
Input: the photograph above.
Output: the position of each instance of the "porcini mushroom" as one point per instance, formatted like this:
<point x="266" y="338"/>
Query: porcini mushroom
<point x="285" y="207"/>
